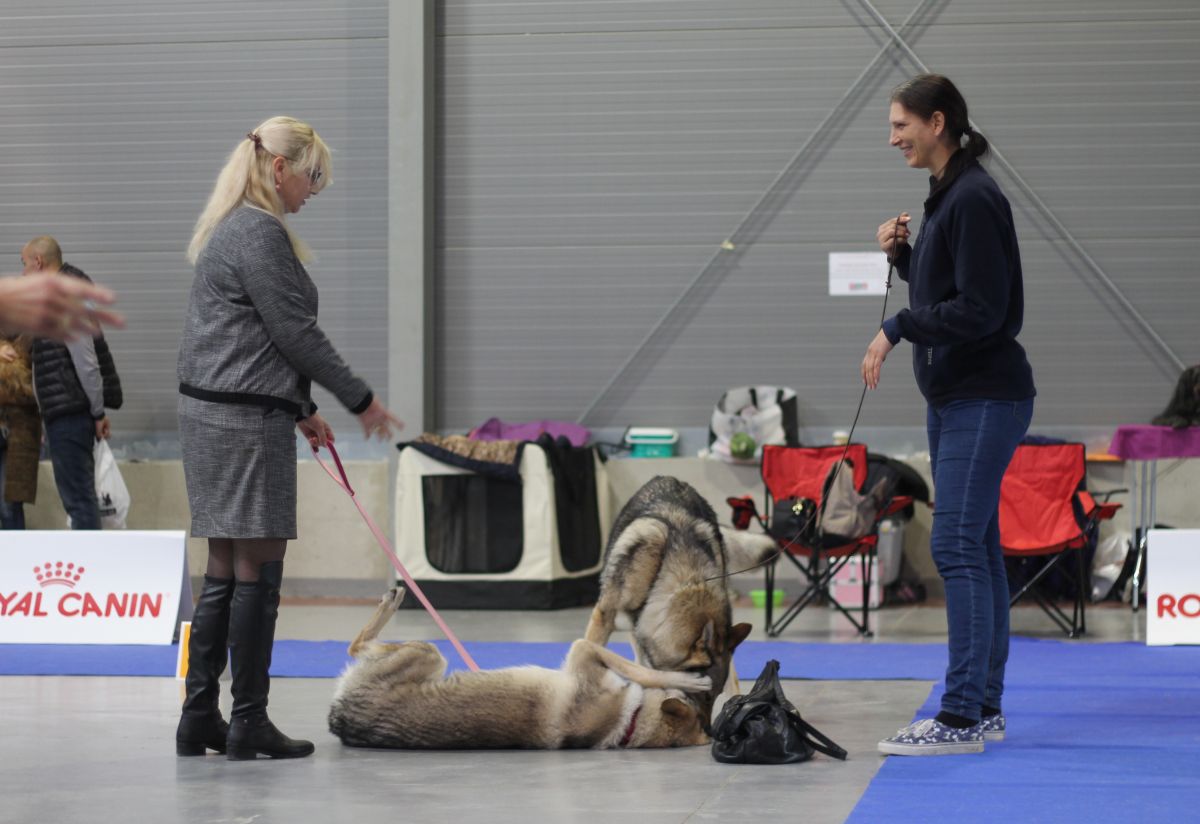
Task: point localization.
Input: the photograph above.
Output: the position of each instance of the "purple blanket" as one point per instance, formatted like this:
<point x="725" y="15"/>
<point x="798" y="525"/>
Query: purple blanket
<point x="494" y="429"/>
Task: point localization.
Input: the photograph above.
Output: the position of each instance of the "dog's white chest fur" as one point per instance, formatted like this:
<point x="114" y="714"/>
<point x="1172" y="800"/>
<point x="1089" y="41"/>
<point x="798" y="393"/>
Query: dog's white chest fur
<point x="634" y="694"/>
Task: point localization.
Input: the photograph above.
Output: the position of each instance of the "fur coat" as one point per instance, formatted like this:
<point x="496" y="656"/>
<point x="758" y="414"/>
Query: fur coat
<point x="19" y="416"/>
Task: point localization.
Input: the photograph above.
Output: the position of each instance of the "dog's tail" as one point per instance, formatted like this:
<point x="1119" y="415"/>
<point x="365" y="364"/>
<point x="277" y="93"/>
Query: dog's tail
<point x="747" y="549"/>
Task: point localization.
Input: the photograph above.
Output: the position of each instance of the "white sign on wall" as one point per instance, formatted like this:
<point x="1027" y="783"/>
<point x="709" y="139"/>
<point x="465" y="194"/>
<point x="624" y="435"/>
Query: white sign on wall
<point x="1173" y="587"/>
<point x="85" y="587"/>
<point x="857" y="273"/>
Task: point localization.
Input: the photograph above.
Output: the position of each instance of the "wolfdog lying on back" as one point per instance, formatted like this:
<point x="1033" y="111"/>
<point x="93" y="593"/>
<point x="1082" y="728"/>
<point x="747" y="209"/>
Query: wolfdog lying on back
<point x="665" y="568"/>
<point x="394" y="695"/>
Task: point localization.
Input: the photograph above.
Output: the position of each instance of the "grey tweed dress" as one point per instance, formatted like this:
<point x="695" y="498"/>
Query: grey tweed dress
<point x="250" y="352"/>
<point x="239" y="462"/>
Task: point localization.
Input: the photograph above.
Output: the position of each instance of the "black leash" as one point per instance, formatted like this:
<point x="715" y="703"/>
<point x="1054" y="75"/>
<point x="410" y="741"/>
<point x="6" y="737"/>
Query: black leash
<point x="816" y="513"/>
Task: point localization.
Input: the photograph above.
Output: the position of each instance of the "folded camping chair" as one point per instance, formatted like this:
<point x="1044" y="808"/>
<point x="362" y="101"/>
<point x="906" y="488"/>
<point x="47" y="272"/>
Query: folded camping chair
<point x="1046" y="510"/>
<point x="799" y="474"/>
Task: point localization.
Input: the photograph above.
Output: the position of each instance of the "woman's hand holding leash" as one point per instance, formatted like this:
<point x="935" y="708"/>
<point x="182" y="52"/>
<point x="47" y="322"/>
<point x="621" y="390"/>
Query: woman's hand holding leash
<point x="378" y="421"/>
<point x="892" y="233"/>
<point x="316" y="431"/>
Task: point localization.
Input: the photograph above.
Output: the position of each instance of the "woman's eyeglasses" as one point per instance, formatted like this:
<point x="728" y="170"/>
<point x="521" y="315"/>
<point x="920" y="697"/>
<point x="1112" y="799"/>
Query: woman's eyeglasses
<point x="314" y="175"/>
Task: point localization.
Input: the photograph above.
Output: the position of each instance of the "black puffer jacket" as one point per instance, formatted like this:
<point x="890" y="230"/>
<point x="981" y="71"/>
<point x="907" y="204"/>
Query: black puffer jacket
<point x="58" y="389"/>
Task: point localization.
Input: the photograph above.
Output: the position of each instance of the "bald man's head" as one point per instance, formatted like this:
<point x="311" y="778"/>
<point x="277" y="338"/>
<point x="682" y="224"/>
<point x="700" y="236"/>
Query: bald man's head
<point x="42" y="254"/>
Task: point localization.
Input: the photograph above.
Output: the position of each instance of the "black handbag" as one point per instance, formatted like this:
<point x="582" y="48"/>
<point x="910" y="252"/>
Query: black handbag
<point x="762" y="727"/>
<point x="794" y="520"/>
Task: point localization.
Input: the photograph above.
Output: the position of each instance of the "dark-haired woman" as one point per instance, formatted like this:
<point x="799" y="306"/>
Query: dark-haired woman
<point x="966" y="307"/>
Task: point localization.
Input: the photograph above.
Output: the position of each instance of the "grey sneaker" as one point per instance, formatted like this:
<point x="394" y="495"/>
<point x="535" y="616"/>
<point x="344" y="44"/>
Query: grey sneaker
<point x="993" y="728"/>
<point x="931" y="737"/>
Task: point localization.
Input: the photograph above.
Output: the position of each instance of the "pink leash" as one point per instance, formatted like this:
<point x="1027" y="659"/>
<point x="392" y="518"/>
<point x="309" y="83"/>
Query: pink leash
<point x="344" y="483"/>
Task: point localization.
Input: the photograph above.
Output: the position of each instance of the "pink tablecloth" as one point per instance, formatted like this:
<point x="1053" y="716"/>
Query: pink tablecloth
<point x="1137" y="442"/>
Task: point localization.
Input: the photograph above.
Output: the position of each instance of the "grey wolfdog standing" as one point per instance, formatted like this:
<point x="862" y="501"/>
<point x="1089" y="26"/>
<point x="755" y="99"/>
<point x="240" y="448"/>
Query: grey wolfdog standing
<point x="394" y="695"/>
<point x="665" y="569"/>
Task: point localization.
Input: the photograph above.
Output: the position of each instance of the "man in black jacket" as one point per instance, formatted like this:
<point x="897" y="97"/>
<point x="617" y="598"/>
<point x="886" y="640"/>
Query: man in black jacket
<point x="73" y="382"/>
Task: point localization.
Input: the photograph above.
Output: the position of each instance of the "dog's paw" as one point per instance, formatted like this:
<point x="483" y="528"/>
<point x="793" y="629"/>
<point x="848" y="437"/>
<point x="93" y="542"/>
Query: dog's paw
<point x="692" y="682"/>
<point x="393" y="597"/>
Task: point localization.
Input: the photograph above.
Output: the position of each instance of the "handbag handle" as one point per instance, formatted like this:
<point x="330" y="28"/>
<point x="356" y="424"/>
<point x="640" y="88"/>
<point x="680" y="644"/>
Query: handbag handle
<point x="819" y="741"/>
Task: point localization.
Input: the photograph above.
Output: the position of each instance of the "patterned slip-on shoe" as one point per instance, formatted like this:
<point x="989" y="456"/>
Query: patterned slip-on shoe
<point x="931" y="737"/>
<point x="993" y="728"/>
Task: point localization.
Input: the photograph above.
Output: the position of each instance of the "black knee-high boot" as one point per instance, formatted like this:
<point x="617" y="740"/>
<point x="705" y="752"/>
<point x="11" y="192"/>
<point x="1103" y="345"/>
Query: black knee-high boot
<point x="251" y="636"/>
<point x="201" y="726"/>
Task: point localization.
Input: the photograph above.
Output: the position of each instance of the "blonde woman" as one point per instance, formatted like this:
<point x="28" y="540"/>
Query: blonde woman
<point x="251" y="349"/>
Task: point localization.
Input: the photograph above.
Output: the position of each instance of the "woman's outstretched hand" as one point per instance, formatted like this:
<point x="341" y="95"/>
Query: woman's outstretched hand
<point x="378" y="422"/>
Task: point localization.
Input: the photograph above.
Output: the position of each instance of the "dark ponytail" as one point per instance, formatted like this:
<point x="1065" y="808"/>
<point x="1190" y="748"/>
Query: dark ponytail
<point x="977" y="144"/>
<point x="928" y="93"/>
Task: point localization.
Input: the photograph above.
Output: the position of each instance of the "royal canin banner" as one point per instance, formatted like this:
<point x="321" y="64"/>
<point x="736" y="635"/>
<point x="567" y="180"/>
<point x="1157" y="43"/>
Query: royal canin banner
<point x="1173" y="587"/>
<point x="118" y="587"/>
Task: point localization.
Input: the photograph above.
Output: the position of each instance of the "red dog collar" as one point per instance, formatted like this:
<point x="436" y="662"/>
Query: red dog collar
<point x="625" y="739"/>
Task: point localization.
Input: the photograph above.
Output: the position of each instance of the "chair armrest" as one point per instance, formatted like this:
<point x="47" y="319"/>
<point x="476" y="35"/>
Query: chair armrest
<point x="1097" y="511"/>
<point x="744" y="510"/>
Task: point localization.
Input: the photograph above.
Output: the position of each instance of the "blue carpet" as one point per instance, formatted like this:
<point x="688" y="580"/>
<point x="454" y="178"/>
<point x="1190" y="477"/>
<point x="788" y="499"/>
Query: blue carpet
<point x="1114" y="666"/>
<point x="326" y="659"/>
<point x="1097" y="733"/>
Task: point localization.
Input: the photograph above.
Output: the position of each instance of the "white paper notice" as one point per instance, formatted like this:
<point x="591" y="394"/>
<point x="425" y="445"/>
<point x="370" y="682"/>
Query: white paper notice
<point x="857" y="273"/>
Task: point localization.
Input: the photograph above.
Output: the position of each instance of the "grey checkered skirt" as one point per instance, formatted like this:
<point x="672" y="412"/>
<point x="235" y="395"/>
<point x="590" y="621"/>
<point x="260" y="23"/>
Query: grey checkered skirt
<point x="239" y="463"/>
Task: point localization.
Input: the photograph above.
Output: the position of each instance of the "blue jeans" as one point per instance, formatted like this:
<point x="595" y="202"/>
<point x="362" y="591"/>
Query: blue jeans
<point x="970" y="445"/>
<point x="71" y="440"/>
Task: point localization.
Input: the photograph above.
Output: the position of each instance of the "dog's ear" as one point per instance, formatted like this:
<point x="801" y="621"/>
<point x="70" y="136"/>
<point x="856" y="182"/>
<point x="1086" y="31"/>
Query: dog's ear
<point x="678" y="709"/>
<point x="737" y="634"/>
<point x="706" y="635"/>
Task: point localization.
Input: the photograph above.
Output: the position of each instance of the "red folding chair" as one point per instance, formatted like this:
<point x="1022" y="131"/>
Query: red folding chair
<point x="1046" y="510"/>
<point x="800" y="474"/>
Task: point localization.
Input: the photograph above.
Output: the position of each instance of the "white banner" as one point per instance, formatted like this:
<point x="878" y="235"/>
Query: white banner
<point x="857" y="273"/>
<point x="1173" y="587"/>
<point x="90" y="587"/>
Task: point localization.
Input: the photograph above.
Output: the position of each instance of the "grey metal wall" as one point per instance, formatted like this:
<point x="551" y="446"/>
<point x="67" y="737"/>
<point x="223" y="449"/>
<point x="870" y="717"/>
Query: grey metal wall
<point x="594" y="155"/>
<point x="115" y="118"/>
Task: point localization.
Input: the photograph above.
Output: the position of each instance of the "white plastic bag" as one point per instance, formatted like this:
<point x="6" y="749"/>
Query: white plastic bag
<point x="111" y="494"/>
<point x="768" y="414"/>
<point x="1108" y="562"/>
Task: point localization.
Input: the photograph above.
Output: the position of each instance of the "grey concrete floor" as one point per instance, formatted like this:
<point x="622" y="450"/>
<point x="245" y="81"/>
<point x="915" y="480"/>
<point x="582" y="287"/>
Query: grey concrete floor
<point x="101" y="749"/>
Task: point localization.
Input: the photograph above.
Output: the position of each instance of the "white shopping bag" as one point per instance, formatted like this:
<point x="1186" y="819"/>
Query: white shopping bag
<point x="111" y="494"/>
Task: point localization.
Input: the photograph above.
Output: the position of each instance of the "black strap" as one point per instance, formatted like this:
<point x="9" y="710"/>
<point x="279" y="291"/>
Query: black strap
<point x="818" y="741"/>
<point x="244" y="398"/>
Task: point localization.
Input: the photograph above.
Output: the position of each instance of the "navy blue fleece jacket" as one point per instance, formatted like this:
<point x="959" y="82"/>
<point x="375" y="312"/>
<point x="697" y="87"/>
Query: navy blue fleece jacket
<point x="965" y="297"/>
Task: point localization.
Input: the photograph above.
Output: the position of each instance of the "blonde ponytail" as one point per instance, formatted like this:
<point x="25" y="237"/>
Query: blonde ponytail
<point x="248" y="177"/>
